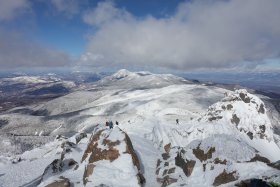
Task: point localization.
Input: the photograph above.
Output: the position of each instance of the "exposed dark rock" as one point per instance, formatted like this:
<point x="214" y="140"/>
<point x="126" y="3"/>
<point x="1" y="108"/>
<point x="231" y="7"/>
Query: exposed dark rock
<point x="259" y="158"/>
<point x="245" y="98"/>
<point x="71" y="162"/>
<point x="252" y="183"/>
<point x="135" y="160"/>
<point x="223" y="107"/>
<point x="224" y="178"/>
<point x="166" y="164"/>
<point x="199" y="153"/>
<point x="262" y="128"/>
<point x="235" y="119"/>
<point x="80" y="136"/>
<point x="164" y="172"/>
<point x="250" y="134"/>
<point x="275" y="165"/>
<point x="57" y="166"/>
<point x="167" y="147"/>
<point x="88" y="171"/>
<point x="62" y="182"/>
<point x="166" y="181"/>
<point x="165" y="156"/>
<point x="158" y="163"/>
<point x="67" y="146"/>
<point x="204" y="167"/>
<point x="229" y="107"/>
<point x="215" y="118"/>
<point x="171" y="170"/>
<point x="157" y="171"/>
<point x="141" y="178"/>
<point x="110" y="153"/>
<point x="187" y="166"/>
<point x="60" y="137"/>
<point x="261" y="109"/>
<point x="218" y="161"/>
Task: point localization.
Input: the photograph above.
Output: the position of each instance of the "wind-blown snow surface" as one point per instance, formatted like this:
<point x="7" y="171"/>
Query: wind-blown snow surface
<point x="147" y="106"/>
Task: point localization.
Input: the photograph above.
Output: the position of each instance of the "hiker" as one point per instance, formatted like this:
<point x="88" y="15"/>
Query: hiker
<point x="117" y="123"/>
<point x="110" y="124"/>
<point x="107" y="123"/>
<point x="177" y="121"/>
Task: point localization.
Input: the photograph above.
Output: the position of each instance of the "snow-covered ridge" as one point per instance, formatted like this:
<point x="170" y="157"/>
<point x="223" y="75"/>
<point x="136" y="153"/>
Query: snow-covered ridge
<point x="106" y="157"/>
<point x="125" y="73"/>
<point x="239" y="114"/>
<point x="221" y="136"/>
<point x="125" y="79"/>
<point x="36" y="80"/>
<point x="30" y="79"/>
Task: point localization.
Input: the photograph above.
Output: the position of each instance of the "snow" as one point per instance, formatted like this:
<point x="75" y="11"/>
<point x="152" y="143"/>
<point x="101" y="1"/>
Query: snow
<point x="25" y="79"/>
<point x="146" y="106"/>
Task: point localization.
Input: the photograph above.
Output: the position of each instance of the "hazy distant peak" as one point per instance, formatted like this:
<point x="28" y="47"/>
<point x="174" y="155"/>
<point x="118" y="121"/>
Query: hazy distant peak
<point x="122" y="73"/>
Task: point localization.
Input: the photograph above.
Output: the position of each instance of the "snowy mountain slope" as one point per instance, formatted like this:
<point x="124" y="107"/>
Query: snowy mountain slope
<point x="203" y="162"/>
<point x="207" y="119"/>
<point x="26" y="90"/>
<point x="124" y="79"/>
<point x="108" y="159"/>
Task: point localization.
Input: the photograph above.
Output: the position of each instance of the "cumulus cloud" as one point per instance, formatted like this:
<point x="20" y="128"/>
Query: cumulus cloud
<point x="9" y="9"/>
<point x="16" y="51"/>
<point x="105" y="12"/>
<point x="201" y="34"/>
<point x="67" y="7"/>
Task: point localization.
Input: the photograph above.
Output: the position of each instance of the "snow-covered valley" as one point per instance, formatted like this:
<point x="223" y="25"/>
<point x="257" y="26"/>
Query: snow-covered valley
<point x="170" y="132"/>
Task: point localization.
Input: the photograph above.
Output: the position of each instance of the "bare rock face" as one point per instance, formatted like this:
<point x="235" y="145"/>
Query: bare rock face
<point x="225" y="177"/>
<point x="61" y="182"/>
<point x="186" y="165"/>
<point x="80" y="136"/>
<point x="214" y="158"/>
<point x="112" y="150"/>
<point x="108" y="151"/>
<point x="57" y="167"/>
<point x="201" y="155"/>
<point x="167" y="147"/>
<point x="95" y="153"/>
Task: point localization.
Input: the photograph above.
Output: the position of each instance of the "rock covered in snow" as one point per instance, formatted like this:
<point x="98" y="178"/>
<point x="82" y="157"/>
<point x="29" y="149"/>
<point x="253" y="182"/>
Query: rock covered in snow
<point x="215" y="161"/>
<point x="108" y="159"/>
<point x="246" y="111"/>
<point x="240" y="115"/>
<point x="230" y="142"/>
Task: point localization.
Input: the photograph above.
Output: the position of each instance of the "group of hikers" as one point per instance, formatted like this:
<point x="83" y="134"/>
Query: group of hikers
<point x="110" y="124"/>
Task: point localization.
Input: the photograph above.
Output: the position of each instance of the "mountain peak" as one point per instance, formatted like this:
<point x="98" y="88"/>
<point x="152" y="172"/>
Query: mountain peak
<point x="122" y="73"/>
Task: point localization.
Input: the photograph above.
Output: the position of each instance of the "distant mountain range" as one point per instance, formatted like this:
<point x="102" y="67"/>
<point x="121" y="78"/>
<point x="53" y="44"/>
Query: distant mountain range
<point x="171" y="132"/>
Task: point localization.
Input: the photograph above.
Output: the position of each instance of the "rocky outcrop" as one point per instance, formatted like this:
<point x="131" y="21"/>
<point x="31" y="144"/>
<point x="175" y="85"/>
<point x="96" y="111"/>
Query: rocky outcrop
<point x="186" y="165"/>
<point x="80" y="136"/>
<point x="61" y="182"/>
<point x="225" y="177"/>
<point x="199" y="153"/>
<point x="109" y="151"/>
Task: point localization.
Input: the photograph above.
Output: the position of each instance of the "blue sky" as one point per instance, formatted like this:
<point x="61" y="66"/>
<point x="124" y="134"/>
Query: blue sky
<point x="69" y="32"/>
<point x="172" y="35"/>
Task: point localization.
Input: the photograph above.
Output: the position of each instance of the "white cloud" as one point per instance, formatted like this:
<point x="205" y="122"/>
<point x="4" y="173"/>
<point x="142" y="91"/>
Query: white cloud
<point x="16" y="52"/>
<point x="201" y="34"/>
<point x="9" y="9"/>
<point x="105" y="12"/>
<point x="67" y="7"/>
